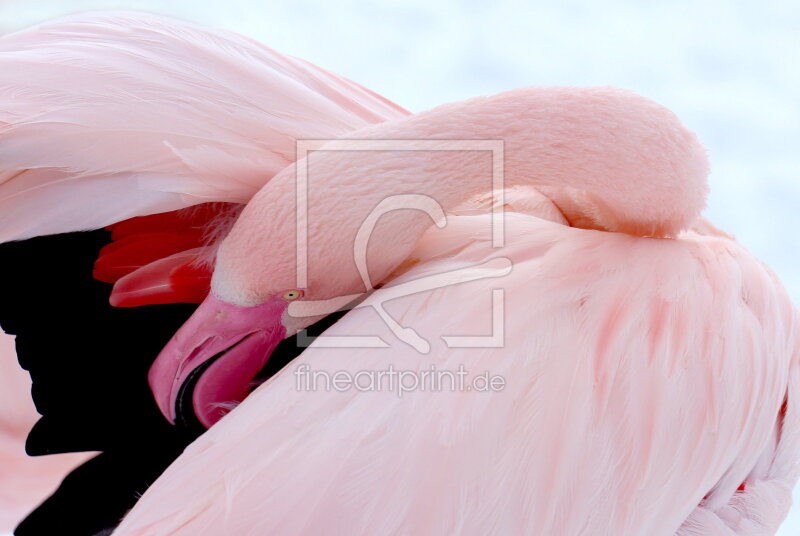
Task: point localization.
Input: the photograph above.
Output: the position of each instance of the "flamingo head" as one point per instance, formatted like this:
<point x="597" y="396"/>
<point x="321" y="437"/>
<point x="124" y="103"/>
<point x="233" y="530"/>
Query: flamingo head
<point x="210" y="363"/>
<point x="212" y="359"/>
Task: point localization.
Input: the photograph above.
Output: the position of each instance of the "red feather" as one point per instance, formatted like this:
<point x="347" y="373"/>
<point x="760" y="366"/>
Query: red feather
<point x="160" y="258"/>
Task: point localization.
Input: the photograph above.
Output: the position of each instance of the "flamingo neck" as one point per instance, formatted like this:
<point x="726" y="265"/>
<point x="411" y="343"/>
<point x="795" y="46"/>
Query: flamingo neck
<point x="609" y="159"/>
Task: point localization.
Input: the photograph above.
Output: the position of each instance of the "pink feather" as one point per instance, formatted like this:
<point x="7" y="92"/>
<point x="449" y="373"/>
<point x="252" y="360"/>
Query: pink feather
<point x="115" y="115"/>
<point x="651" y="432"/>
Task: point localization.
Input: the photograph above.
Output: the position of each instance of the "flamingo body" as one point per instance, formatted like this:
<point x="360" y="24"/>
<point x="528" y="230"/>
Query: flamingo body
<point x="637" y="401"/>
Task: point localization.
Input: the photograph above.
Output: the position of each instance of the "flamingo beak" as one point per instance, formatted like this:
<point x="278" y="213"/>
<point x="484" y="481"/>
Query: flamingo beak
<point x="213" y="358"/>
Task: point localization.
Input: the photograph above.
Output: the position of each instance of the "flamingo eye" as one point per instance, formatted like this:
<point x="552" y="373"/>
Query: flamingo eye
<point x="292" y="294"/>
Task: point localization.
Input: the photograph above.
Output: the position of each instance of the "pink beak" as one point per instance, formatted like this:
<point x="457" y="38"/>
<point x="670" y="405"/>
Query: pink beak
<point x="231" y="344"/>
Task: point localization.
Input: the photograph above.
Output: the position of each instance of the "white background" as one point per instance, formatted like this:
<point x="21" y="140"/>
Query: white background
<point x="730" y="70"/>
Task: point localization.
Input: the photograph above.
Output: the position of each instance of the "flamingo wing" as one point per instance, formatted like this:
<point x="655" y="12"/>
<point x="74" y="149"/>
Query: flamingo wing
<point x="113" y="115"/>
<point x="650" y="387"/>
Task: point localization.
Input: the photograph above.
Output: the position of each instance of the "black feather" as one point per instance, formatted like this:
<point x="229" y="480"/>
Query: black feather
<point x="89" y="363"/>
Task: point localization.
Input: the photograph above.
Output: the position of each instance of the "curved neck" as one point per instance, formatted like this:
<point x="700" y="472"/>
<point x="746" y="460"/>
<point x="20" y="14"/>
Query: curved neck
<point x="610" y="160"/>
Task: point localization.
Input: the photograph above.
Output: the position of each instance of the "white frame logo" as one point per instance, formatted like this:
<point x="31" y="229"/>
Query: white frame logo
<point x="497" y="267"/>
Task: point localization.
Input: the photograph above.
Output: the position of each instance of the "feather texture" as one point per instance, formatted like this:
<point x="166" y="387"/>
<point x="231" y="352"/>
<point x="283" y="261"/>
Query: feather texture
<point x="108" y="116"/>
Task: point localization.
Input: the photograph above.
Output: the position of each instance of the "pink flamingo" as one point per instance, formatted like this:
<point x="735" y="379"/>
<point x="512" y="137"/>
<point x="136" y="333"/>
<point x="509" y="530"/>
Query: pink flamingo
<point x="651" y="382"/>
<point x="649" y="363"/>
